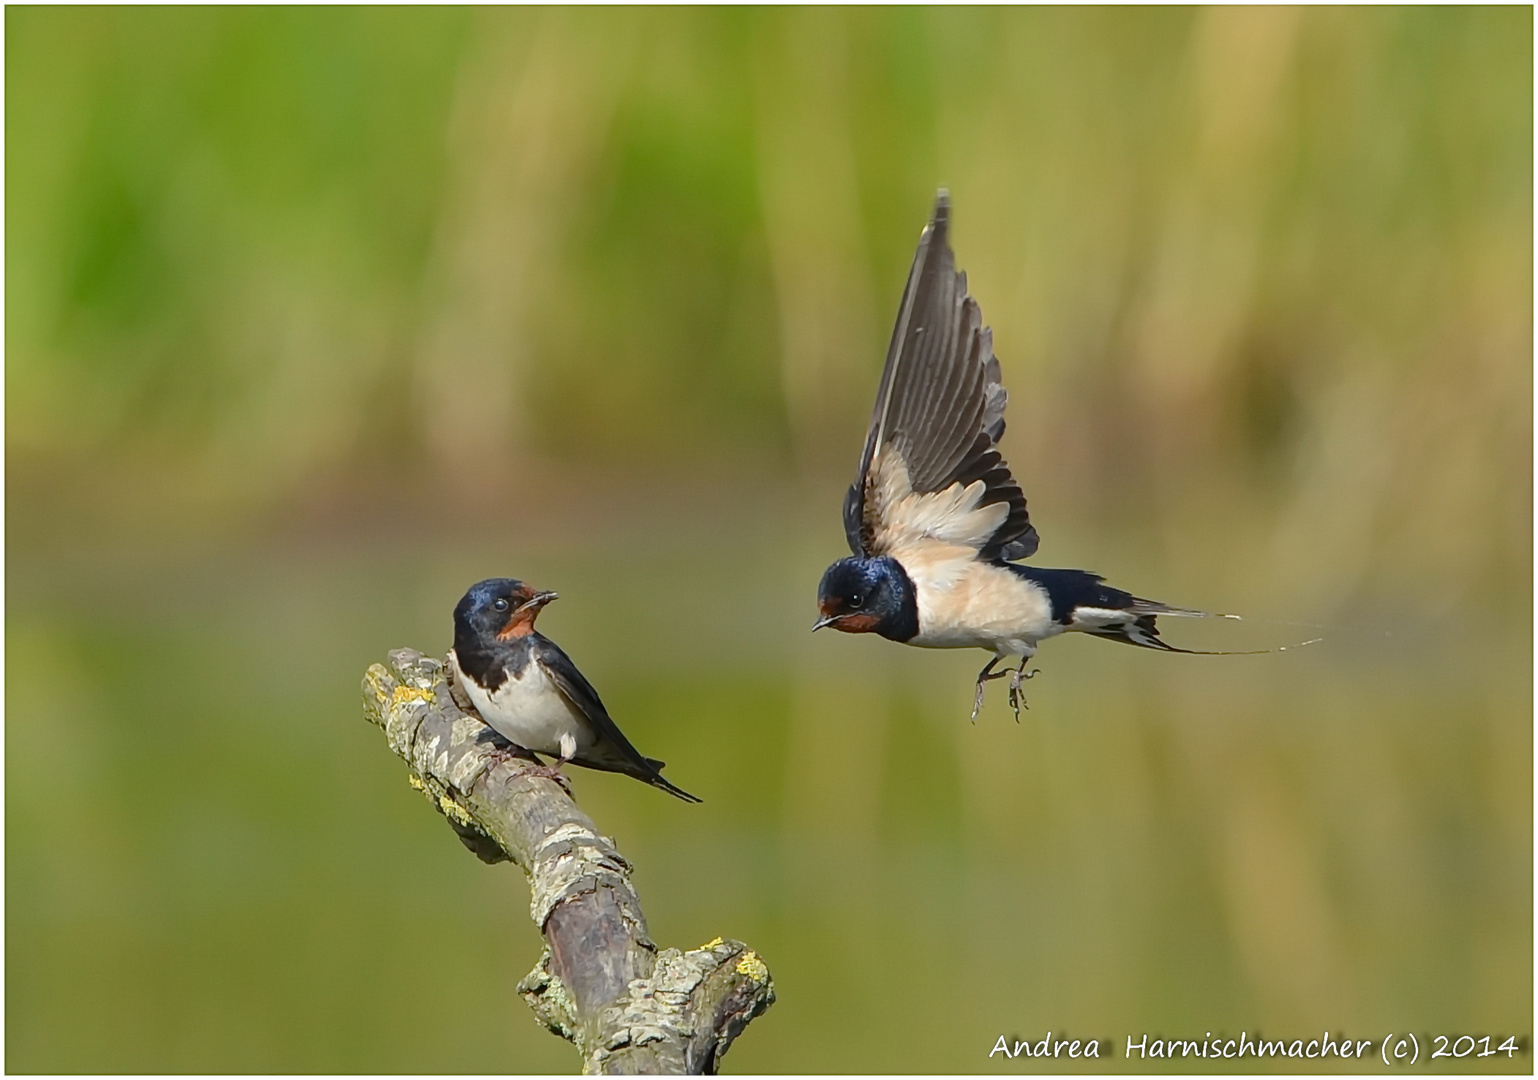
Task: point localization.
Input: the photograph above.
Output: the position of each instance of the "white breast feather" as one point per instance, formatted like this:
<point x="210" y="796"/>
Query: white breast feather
<point x="975" y="605"/>
<point x="531" y="711"/>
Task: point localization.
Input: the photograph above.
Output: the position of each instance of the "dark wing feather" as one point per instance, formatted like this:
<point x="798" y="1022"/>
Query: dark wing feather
<point x="941" y="401"/>
<point x="622" y="756"/>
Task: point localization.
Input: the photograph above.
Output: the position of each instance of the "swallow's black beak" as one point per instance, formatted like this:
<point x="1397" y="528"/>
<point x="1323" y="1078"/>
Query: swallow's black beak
<point x="538" y="600"/>
<point x="826" y="620"/>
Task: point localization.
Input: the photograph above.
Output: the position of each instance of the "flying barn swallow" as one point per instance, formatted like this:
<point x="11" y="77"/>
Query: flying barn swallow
<point x="935" y="520"/>
<point x="530" y="692"/>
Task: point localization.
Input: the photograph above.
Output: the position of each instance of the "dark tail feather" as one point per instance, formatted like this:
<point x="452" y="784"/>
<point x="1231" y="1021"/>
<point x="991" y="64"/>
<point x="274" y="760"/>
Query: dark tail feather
<point x="1145" y="634"/>
<point x="660" y="781"/>
<point x="657" y="780"/>
<point x="1139" y="606"/>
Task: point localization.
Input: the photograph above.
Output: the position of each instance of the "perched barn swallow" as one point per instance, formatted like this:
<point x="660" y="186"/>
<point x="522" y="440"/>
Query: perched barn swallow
<point x="530" y="692"/>
<point x="935" y="519"/>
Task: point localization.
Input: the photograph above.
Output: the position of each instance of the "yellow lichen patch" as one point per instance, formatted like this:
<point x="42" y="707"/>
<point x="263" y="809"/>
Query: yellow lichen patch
<point x="454" y="810"/>
<point x="416" y="781"/>
<point x="711" y="944"/>
<point x="404" y="693"/>
<point x="750" y="965"/>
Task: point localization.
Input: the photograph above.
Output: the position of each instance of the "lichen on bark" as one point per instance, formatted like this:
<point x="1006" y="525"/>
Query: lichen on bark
<point x="600" y="982"/>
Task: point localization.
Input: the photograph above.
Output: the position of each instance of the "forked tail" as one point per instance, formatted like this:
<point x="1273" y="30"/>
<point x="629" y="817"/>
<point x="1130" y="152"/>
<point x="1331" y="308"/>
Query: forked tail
<point x="1138" y="628"/>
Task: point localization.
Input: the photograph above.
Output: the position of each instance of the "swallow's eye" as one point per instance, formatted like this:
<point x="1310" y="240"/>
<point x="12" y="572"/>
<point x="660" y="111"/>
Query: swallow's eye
<point x="500" y="605"/>
<point x="855" y="599"/>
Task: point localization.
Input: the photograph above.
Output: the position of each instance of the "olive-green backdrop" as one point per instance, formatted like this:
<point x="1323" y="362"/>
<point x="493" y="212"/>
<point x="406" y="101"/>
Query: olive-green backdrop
<point x="315" y="317"/>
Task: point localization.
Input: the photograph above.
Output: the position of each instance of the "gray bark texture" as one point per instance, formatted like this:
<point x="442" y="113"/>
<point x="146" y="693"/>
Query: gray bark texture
<point x="601" y="982"/>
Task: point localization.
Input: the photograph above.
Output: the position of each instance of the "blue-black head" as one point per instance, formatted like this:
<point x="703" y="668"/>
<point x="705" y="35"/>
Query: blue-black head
<point x="864" y="596"/>
<point x="496" y="609"/>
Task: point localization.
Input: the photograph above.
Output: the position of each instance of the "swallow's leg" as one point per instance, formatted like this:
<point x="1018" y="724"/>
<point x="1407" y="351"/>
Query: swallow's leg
<point x="553" y="772"/>
<point x="1016" y="692"/>
<point x="504" y="750"/>
<point x="982" y="677"/>
<point x="549" y="772"/>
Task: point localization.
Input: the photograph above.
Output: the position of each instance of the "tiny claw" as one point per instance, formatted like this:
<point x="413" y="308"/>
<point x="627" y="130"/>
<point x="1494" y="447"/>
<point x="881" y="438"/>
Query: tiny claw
<point x="983" y="678"/>
<point x="550" y="772"/>
<point x="1016" y="695"/>
<point x="506" y="753"/>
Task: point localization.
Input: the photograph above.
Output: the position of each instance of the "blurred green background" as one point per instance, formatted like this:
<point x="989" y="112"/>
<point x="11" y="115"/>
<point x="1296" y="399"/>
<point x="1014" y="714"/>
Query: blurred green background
<point x="315" y="317"/>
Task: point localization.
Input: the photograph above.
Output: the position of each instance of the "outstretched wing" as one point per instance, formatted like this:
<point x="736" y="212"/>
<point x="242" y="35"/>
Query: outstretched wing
<point x="614" y="752"/>
<point x="931" y="468"/>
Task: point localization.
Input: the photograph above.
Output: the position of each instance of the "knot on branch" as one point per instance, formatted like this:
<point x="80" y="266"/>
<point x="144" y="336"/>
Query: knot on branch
<point x="692" y="1006"/>
<point x="549" y="999"/>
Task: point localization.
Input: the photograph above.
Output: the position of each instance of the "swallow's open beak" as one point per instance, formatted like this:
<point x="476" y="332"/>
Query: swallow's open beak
<point x="538" y="600"/>
<point x="826" y="620"/>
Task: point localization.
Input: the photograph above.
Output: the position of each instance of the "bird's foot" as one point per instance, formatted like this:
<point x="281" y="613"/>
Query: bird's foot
<point x="977" y="694"/>
<point x="1017" y="692"/>
<point x="528" y="764"/>
<point x="549" y="772"/>
<point x="501" y="751"/>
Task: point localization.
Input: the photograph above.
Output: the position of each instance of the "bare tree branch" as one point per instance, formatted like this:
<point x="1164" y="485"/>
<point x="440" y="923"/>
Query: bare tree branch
<point x="600" y="982"/>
